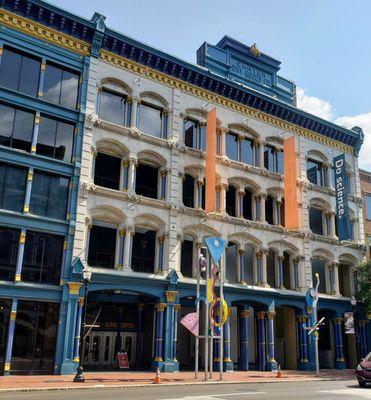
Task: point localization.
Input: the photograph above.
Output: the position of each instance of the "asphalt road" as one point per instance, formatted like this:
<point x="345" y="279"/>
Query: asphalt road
<point x="320" y="390"/>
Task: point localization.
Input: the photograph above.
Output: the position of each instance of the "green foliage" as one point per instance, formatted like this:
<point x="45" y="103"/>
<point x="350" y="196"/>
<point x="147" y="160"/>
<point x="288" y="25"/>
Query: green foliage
<point x="364" y="284"/>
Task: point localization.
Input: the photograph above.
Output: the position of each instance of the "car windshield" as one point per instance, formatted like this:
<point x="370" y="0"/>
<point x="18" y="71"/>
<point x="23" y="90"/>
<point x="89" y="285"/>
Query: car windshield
<point x="368" y="357"/>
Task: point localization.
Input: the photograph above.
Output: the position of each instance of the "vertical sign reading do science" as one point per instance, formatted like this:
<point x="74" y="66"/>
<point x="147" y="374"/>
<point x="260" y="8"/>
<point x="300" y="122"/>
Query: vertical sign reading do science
<point x="342" y="211"/>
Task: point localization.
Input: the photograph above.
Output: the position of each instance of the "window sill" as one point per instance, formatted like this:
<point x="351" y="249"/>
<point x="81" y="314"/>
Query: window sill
<point x="321" y="189"/>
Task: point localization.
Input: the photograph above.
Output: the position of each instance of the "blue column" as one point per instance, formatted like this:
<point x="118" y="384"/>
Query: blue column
<point x="280" y="271"/>
<point x="227" y="361"/>
<point x="242" y="267"/>
<point x="338" y="342"/>
<point x="296" y="273"/>
<point x="35" y="133"/>
<point x="122" y="233"/>
<point x="302" y="342"/>
<point x="163" y="174"/>
<point x="18" y="269"/>
<point x="272" y="364"/>
<point x="159" y="330"/>
<point x="27" y="197"/>
<point x="10" y="337"/>
<point x="258" y="199"/>
<point x="261" y="361"/>
<point x="42" y="78"/>
<point x="244" y="341"/>
<point x="199" y="193"/>
<point x="138" y="346"/>
<point x="161" y="240"/>
<point x="80" y="304"/>
<point x="175" y="331"/>
<point x="259" y="268"/>
<point x="170" y="362"/>
<point x="125" y="166"/>
<point x="241" y="195"/>
<point x="278" y="212"/>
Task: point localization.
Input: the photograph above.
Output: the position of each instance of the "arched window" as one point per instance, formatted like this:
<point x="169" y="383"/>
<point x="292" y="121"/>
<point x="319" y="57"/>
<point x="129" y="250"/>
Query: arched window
<point x="269" y="210"/>
<point x="114" y="107"/>
<point x="152" y="116"/>
<point x="186" y="262"/>
<point x="194" y="134"/>
<point x="239" y="148"/>
<point x="316" y="172"/>
<point x="107" y="171"/>
<point x="271" y="268"/>
<point x="146" y="183"/>
<point x="144" y="250"/>
<point x="231" y="201"/>
<point x="319" y="267"/>
<point x="345" y="287"/>
<point x="189" y="191"/>
<point x="102" y="246"/>
<point x="247" y="205"/>
<point x="316" y="220"/>
<point x="286" y="270"/>
<point x="273" y="159"/>
<point x="231" y="262"/>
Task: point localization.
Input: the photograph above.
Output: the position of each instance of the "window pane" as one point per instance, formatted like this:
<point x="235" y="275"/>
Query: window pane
<point x="269" y="158"/>
<point x="315" y="220"/>
<point x="52" y="84"/>
<point x="70" y="87"/>
<point x="280" y="162"/>
<point x="246" y="151"/>
<point x="40" y="194"/>
<point x="269" y="210"/>
<point x="318" y="266"/>
<point x="143" y="259"/>
<point x="42" y="258"/>
<point x="4" y="325"/>
<point x="9" y="239"/>
<point x="10" y="69"/>
<point x="23" y="130"/>
<point x="46" y="137"/>
<point x="186" y="259"/>
<point x="102" y="246"/>
<point x="368" y="206"/>
<point x="189" y="133"/>
<point x="6" y="124"/>
<point x="232" y="146"/>
<point x="64" y="141"/>
<point x="146" y="181"/>
<point x="29" y="76"/>
<point x="315" y="172"/>
<point x="230" y="196"/>
<point x="150" y="120"/>
<point x="58" y="197"/>
<point x="189" y="191"/>
<point x="112" y="107"/>
<point x="12" y="187"/>
<point x="231" y="262"/>
<point x="202" y="137"/>
<point x="107" y="171"/>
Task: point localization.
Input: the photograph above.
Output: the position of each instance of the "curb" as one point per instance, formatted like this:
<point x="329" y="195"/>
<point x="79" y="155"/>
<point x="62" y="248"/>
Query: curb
<point x="143" y="385"/>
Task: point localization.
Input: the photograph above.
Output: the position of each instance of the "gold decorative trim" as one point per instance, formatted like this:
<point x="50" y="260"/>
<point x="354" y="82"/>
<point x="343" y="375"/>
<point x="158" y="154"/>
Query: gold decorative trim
<point x="211" y="97"/>
<point x="76" y="359"/>
<point x="17" y="278"/>
<point x="13" y="315"/>
<point x="44" y="33"/>
<point x="171" y="295"/>
<point x="74" y="287"/>
<point x="7" y="367"/>
<point x="22" y="238"/>
<point x="26" y="209"/>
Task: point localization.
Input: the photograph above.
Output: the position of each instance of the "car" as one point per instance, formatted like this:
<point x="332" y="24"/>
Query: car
<point x="363" y="371"/>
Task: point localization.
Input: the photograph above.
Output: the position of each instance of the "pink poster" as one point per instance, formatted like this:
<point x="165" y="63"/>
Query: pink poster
<point x="190" y="321"/>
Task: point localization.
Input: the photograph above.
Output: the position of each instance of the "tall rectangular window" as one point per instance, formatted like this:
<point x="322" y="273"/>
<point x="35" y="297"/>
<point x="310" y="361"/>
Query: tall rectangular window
<point x="12" y="187"/>
<point x="42" y="258"/>
<point x="315" y="173"/>
<point x="150" y="120"/>
<point x="49" y="195"/>
<point x="315" y="220"/>
<point x="112" y="107"/>
<point x="60" y="86"/>
<point x="231" y="146"/>
<point x="16" y="128"/>
<point x="55" y="139"/>
<point x="368" y="206"/>
<point x="102" y="246"/>
<point x="9" y="239"/>
<point x="107" y="171"/>
<point x="194" y="134"/>
<point x="246" y="151"/>
<point x="19" y="72"/>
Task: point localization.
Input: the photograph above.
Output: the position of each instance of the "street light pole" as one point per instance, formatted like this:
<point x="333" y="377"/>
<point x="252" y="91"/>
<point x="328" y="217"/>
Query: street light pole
<point x="316" y="330"/>
<point x="353" y="302"/>
<point x="79" y="377"/>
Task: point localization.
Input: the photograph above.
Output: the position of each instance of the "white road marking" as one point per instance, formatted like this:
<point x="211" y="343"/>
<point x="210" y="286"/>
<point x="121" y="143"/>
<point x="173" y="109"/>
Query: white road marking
<point x="214" y="396"/>
<point x="363" y="393"/>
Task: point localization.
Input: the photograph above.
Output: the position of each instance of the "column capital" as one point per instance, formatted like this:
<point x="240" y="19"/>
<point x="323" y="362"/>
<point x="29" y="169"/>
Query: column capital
<point x="140" y="306"/>
<point x="280" y="258"/>
<point x="260" y="315"/>
<point x="271" y="314"/>
<point x="122" y="232"/>
<point x="133" y="160"/>
<point x="241" y="252"/>
<point x="164" y="171"/>
<point x="171" y="295"/>
<point x="125" y="163"/>
<point x="160" y="307"/>
<point x="200" y="183"/>
<point x="244" y="313"/>
<point x="177" y="307"/>
<point x="80" y="301"/>
<point x="74" y="287"/>
<point x="241" y="193"/>
<point x="337" y="320"/>
<point x="302" y="318"/>
<point x="161" y="239"/>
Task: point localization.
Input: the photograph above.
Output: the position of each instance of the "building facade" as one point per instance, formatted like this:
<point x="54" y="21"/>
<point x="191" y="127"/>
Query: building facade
<point x="365" y="178"/>
<point x="136" y="216"/>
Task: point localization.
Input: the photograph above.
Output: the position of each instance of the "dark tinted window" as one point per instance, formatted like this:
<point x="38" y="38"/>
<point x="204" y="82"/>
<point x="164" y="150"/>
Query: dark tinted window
<point x="143" y="259"/>
<point x="269" y="158"/>
<point x="42" y="258"/>
<point x="190" y="131"/>
<point x="146" y="181"/>
<point x="12" y="187"/>
<point x="19" y="72"/>
<point x="247" y="205"/>
<point x="231" y="201"/>
<point x="269" y="210"/>
<point x="49" y="195"/>
<point x="102" y="245"/>
<point x="60" y="86"/>
<point x="318" y="266"/>
<point x="55" y="139"/>
<point x="107" y="171"/>
<point x="189" y="191"/>
<point x="315" y="220"/>
<point x="112" y="107"/>
<point x="16" y="128"/>
<point x="232" y="146"/>
<point x="9" y="239"/>
<point x="315" y="172"/>
<point x="150" y="120"/>
<point x="4" y="325"/>
<point x="280" y="162"/>
<point x="186" y="258"/>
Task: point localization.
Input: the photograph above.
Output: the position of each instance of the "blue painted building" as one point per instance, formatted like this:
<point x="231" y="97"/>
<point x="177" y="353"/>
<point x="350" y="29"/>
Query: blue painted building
<point x="102" y="143"/>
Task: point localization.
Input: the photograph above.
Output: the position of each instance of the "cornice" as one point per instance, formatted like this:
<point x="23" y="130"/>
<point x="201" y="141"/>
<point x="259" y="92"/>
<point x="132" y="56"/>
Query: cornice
<point x="211" y="97"/>
<point x="44" y="33"/>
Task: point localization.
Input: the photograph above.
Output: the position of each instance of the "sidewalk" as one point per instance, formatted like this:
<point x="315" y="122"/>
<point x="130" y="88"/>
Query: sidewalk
<point x="140" y="379"/>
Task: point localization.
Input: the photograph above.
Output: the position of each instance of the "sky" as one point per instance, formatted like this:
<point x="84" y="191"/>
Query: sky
<point x="323" y="44"/>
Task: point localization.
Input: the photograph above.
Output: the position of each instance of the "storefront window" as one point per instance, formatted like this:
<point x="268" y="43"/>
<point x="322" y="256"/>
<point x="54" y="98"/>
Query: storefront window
<point x="16" y="128"/>
<point x="19" y="72"/>
<point x="55" y="139"/>
<point x="9" y="239"/>
<point x="12" y="187"/>
<point x="35" y="337"/>
<point x="42" y="258"/>
<point x="49" y="195"/>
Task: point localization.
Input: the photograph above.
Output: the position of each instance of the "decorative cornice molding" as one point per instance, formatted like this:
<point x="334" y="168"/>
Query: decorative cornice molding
<point x="44" y="33"/>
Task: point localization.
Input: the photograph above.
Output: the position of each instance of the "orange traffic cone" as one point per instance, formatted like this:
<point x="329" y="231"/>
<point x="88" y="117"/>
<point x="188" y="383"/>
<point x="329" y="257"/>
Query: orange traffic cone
<point x="279" y="372"/>
<point x="157" y="379"/>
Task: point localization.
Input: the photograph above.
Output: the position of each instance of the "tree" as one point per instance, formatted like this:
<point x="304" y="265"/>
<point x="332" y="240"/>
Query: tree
<point x="363" y="292"/>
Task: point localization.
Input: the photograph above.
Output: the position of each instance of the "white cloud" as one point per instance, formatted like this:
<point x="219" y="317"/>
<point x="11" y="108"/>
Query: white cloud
<point x="364" y="122"/>
<point x="314" y="105"/>
<point x="324" y="109"/>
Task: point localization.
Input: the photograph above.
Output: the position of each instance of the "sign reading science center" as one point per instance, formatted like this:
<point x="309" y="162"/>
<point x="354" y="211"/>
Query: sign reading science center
<point x="342" y="211"/>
